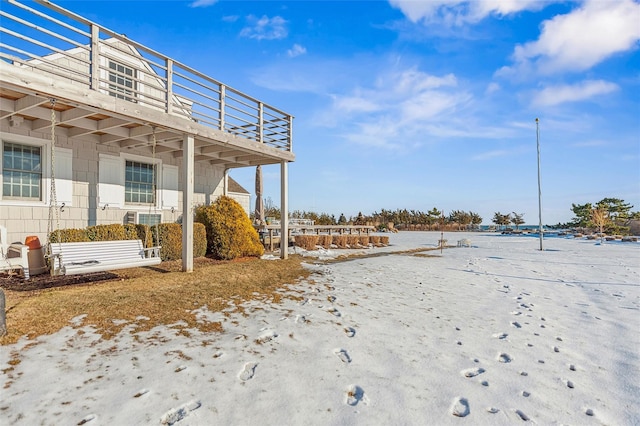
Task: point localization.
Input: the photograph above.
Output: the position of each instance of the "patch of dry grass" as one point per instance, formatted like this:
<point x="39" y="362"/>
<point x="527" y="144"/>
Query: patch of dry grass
<point x="163" y="294"/>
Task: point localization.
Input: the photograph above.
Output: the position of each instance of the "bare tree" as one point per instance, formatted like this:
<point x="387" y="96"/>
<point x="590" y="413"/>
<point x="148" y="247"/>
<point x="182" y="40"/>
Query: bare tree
<point x="600" y="218"/>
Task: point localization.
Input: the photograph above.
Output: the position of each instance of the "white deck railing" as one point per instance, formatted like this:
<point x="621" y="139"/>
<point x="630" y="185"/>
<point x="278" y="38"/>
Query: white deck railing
<point x="47" y="38"/>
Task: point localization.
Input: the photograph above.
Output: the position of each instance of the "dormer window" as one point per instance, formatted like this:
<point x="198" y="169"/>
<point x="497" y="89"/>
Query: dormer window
<point x="122" y="81"/>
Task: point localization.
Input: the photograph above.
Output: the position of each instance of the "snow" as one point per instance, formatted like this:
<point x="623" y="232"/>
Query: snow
<point x="496" y="333"/>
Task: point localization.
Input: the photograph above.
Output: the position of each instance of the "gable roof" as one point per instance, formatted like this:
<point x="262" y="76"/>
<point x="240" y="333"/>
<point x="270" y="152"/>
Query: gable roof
<point x="234" y="186"/>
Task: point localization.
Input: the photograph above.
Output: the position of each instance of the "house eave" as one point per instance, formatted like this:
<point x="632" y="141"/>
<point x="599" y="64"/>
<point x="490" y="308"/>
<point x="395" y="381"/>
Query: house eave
<point x="73" y="104"/>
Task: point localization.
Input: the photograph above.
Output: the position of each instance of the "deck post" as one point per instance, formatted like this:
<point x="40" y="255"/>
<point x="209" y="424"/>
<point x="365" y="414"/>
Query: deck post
<point x="94" y="58"/>
<point x="284" y="211"/>
<point x="187" y="202"/>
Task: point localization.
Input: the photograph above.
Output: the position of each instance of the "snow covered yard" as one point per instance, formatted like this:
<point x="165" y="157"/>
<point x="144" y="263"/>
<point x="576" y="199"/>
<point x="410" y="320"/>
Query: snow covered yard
<point x="499" y="333"/>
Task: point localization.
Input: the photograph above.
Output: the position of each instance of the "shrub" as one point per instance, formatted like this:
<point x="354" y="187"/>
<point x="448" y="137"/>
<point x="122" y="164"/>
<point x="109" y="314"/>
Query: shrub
<point x="384" y="240"/>
<point x="139" y="232"/>
<point x="353" y="241"/>
<point x="169" y="237"/>
<point x="199" y="240"/>
<point x="307" y="242"/>
<point x="340" y="241"/>
<point x="229" y="231"/>
<point x="325" y="241"/>
<point x="113" y="232"/>
<point x="69" y="236"/>
<point x="375" y="240"/>
<point x="364" y="240"/>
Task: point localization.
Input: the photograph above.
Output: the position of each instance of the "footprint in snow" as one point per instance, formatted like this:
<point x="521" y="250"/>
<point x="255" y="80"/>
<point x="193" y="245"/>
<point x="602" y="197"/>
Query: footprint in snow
<point x="355" y="395"/>
<point x="176" y="414"/>
<point x="335" y="312"/>
<point x="460" y="407"/>
<point x="301" y="319"/>
<point x="342" y="355"/>
<point x="331" y="298"/>
<point x="180" y="368"/>
<point x="87" y="419"/>
<point x="522" y="415"/>
<point x="501" y="336"/>
<point x="504" y="358"/>
<point x="248" y="371"/>
<point x="350" y="331"/>
<point x="516" y="324"/>
<point x="266" y="336"/>
<point x="141" y="392"/>
<point x="472" y="372"/>
<point x="569" y="384"/>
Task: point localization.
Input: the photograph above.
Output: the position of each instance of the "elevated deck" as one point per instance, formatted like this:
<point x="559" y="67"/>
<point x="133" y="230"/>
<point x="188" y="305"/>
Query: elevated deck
<point x="111" y="90"/>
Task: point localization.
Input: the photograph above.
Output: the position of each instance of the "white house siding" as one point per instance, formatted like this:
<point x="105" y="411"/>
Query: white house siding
<point x="25" y="218"/>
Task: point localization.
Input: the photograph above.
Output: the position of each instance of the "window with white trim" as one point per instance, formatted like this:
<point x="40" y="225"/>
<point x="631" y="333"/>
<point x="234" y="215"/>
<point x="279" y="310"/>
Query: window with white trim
<point x="21" y="172"/>
<point x="122" y="81"/>
<point x="139" y="183"/>
<point x="136" y="183"/>
<point x="25" y="172"/>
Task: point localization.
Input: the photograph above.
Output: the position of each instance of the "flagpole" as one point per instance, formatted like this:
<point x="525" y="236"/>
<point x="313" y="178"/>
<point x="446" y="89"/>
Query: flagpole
<point x="539" y="186"/>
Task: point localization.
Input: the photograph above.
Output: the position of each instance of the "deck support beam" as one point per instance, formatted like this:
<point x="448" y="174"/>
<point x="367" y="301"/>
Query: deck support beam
<point x="284" y="210"/>
<point x="188" y="148"/>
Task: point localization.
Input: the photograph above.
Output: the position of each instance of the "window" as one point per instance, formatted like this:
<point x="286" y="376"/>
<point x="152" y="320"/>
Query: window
<point x="149" y="219"/>
<point x="21" y="171"/>
<point x="122" y="81"/>
<point x="139" y="183"/>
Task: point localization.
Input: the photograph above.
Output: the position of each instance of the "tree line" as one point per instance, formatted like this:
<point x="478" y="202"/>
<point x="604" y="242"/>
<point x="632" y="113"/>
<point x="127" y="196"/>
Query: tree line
<point x="609" y="214"/>
<point x="400" y="218"/>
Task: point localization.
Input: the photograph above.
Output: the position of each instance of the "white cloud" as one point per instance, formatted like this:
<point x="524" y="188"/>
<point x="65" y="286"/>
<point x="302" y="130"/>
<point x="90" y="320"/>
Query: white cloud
<point x="296" y="50"/>
<point x="555" y="95"/>
<point x="230" y="18"/>
<point x="401" y="106"/>
<point x="355" y="103"/>
<point x="202" y="3"/>
<point x="492" y="88"/>
<point x="265" y="28"/>
<point x="459" y="12"/>
<point x="489" y="155"/>
<point x="581" y="39"/>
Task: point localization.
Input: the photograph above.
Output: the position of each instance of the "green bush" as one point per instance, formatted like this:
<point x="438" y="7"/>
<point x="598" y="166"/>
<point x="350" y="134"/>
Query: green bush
<point x="69" y="236"/>
<point x="112" y="232"/>
<point x="199" y="240"/>
<point x="169" y="237"/>
<point x="229" y="231"/>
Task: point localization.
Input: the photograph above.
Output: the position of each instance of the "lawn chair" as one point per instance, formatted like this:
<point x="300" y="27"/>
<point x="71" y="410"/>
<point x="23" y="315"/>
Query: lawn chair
<point x="13" y="256"/>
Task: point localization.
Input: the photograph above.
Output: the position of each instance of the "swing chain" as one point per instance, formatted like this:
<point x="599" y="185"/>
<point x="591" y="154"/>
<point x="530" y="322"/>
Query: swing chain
<point x="53" y="200"/>
<point x="153" y="183"/>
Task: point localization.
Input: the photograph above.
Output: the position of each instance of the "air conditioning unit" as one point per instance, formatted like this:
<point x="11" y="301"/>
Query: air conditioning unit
<point x="142" y="218"/>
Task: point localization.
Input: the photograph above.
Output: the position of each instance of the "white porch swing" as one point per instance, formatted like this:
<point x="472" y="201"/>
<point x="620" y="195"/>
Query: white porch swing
<point x="94" y="256"/>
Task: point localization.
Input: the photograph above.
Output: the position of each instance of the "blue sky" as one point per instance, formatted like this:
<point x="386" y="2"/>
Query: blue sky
<point x="421" y="104"/>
